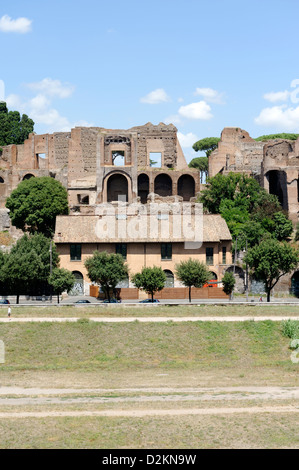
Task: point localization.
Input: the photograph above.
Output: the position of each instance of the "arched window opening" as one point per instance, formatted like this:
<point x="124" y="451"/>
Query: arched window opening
<point x="117" y="188"/>
<point x="169" y="278"/>
<point x="163" y="185"/>
<point x="186" y="187"/>
<point x="143" y="187"/>
<point x="78" y="288"/>
<point x="28" y="176"/>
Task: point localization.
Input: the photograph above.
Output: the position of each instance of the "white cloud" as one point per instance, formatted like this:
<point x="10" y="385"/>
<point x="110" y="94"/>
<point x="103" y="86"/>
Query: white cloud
<point x="187" y="140"/>
<point x="40" y="109"/>
<point x="279" y="117"/>
<point x="277" y="96"/>
<point x="20" y="25"/>
<point x="51" y="87"/>
<point x="200" y="110"/>
<point x="210" y="95"/>
<point x="155" y="97"/>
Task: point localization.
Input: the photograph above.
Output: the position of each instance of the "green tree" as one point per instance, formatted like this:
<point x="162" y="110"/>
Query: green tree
<point x="151" y="280"/>
<point x="236" y="187"/>
<point x="14" y="129"/>
<point x="35" y="203"/>
<point x="248" y="209"/>
<point x="26" y="268"/>
<point x="61" y="280"/>
<point x="207" y="145"/>
<point x="282" y="135"/>
<point x="270" y="260"/>
<point x="283" y="227"/>
<point x="106" y="270"/>
<point x="228" y="282"/>
<point x="201" y="164"/>
<point x="192" y="273"/>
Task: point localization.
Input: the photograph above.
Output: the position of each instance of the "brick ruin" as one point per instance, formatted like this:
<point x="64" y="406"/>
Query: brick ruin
<point x="100" y="165"/>
<point x="274" y="163"/>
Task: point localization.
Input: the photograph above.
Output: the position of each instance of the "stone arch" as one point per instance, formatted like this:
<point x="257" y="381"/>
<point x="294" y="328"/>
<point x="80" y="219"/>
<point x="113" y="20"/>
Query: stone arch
<point x="78" y="288"/>
<point x="186" y="187"/>
<point x="163" y="185"/>
<point x="169" y="278"/>
<point x="278" y="186"/>
<point x="28" y="176"/>
<point x="295" y="284"/>
<point x="240" y="278"/>
<point x="117" y="187"/>
<point x="143" y="187"/>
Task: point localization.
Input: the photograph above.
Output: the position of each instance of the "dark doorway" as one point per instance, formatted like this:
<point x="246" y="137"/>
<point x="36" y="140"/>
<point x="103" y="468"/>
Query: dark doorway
<point x="28" y="176"/>
<point x="278" y="186"/>
<point x="143" y="187"/>
<point x="117" y="188"/>
<point x="163" y="185"/>
<point x="295" y="284"/>
<point x="186" y="187"/>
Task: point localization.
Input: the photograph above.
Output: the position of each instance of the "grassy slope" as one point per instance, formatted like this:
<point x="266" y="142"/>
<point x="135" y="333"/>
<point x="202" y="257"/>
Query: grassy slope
<point x="90" y="346"/>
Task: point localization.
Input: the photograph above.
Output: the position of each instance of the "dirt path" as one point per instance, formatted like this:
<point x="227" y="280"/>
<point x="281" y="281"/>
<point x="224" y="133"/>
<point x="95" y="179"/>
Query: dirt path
<point x="151" y="412"/>
<point x="17" y="396"/>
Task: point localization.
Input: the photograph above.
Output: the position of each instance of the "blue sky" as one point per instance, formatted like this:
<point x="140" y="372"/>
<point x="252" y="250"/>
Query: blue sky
<point x="202" y="65"/>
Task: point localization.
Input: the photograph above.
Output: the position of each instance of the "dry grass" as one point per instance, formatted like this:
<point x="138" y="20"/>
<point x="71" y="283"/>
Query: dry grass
<point x="123" y="310"/>
<point x="179" y="432"/>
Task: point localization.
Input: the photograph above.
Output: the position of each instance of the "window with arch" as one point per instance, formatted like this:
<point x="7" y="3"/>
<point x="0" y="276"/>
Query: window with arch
<point x="186" y="187"/>
<point x="28" y="176"/>
<point x="143" y="187"/>
<point x="163" y="185"/>
<point x="78" y="288"/>
<point x="169" y="278"/>
<point x="117" y="188"/>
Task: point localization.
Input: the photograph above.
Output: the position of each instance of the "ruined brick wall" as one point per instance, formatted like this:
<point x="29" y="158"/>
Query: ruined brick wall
<point x="161" y="138"/>
<point x="82" y="159"/>
<point x="236" y="151"/>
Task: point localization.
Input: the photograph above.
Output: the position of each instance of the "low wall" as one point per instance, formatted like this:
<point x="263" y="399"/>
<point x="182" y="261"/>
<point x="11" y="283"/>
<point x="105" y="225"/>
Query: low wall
<point x="167" y="293"/>
<point x="196" y="293"/>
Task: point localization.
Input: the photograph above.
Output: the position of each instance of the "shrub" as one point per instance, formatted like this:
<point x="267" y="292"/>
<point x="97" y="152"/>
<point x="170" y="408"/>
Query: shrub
<point x="290" y="329"/>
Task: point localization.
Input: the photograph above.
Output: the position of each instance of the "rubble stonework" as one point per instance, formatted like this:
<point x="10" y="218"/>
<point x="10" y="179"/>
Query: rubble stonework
<point x="274" y="163"/>
<point x="82" y="160"/>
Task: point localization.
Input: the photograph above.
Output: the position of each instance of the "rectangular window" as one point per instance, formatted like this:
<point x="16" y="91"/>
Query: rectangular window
<point x="210" y="256"/>
<point x="75" y="251"/>
<point x="166" y="251"/>
<point x="155" y="159"/>
<point x="121" y="249"/>
<point x="224" y="255"/>
<point x="118" y="157"/>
